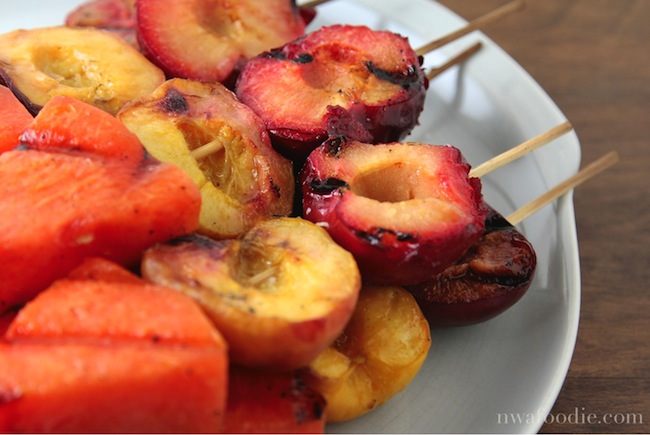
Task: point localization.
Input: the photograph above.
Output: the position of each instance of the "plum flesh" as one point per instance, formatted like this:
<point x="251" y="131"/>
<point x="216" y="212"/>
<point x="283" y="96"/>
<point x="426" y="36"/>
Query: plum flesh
<point x="406" y="211"/>
<point x="341" y="80"/>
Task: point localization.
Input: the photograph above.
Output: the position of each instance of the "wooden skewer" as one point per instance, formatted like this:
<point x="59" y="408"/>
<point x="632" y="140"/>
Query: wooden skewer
<point x="434" y="72"/>
<point x="520" y="150"/>
<point x="207" y="150"/>
<point x="585" y="174"/>
<point x="478" y="23"/>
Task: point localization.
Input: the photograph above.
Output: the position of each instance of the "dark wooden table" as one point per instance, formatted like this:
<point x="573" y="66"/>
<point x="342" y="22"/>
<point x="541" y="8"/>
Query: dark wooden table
<point x="593" y="58"/>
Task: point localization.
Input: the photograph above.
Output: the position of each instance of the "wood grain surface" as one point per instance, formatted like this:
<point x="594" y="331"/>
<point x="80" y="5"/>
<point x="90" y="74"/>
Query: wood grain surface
<point x="593" y="58"/>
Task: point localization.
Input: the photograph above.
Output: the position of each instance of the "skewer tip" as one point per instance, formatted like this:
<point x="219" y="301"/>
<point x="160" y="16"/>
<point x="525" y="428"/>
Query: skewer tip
<point x="583" y="175"/>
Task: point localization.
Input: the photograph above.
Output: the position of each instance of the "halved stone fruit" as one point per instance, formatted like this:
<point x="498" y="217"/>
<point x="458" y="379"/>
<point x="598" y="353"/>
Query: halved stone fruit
<point x="116" y="16"/>
<point x="378" y="354"/>
<point x="406" y="211"/>
<point x="280" y="294"/>
<point x="91" y="65"/>
<point x="490" y="278"/>
<point x="209" y="40"/>
<point x="222" y="145"/>
<point x="340" y="80"/>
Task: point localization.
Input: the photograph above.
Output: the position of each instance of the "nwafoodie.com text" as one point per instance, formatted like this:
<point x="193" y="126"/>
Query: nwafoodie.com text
<point x="578" y="416"/>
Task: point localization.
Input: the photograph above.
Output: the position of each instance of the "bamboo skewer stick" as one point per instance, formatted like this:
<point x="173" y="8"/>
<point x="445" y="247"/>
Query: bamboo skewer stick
<point x="486" y="19"/>
<point x="478" y="23"/>
<point x="207" y="150"/>
<point x="520" y="150"/>
<point x="434" y="72"/>
<point x="583" y="175"/>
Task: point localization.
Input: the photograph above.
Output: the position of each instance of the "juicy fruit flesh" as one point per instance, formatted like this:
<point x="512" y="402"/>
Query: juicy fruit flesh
<point x="207" y="40"/>
<point x="404" y="192"/>
<point x="279" y="295"/>
<point x="89" y="64"/>
<point x="344" y="81"/>
<point x="396" y="172"/>
<point x="330" y="76"/>
<point x="413" y="217"/>
<point x="281" y="264"/>
<point x="333" y="75"/>
<point x="222" y="145"/>
<point x="84" y="345"/>
<point x="254" y="28"/>
<point x="284" y="259"/>
<point x="402" y="186"/>
<point x="421" y="211"/>
<point x="227" y="167"/>
<point x="380" y="351"/>
<point x="70" y="67"/>
<point x="395" y="182"/>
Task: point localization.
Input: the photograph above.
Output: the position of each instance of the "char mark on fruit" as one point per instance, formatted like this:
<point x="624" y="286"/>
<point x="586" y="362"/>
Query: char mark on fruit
<point x="376" y="237"/>
<point x="174" y="103"/>
<point x="277" y="54"/>
<point x="328" y="185"/>
<point x="406" y="79"/>
<point x="492" y="276"/>
<point x="334" y="145"/>
<point x="347" y="125"/>
<point x="495" y="221"/>
<point x="275" y="189"/>
<point x="303" y="58"/>
<point x="189" y="239"/>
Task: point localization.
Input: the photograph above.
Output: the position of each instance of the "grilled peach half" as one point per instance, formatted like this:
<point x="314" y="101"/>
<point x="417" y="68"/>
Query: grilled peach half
<point x="378" y="354"/>
<point x="280" y="294"/>
<point x="222" y="145"/>
<point x="89" y="64"/>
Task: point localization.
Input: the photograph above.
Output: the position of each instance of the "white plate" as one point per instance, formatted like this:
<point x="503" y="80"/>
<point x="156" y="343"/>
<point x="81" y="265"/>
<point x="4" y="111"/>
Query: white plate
<point x="503" y="375"/>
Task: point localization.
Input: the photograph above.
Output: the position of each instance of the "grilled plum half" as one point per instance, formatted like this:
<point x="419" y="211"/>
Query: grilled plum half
<point x="406" y="211"/>
<point x="209" y="40"/>
<point x="340" y="80"/>
<point x="494" y="274"/>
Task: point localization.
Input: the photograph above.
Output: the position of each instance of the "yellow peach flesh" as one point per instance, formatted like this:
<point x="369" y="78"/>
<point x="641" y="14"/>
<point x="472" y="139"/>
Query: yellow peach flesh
<point x="378" y="354"/>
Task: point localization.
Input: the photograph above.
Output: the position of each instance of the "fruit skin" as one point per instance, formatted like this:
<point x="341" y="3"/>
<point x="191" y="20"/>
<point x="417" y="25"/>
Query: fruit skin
<point x="272" y="402"/>
<point x="88" y="64"/>
<point x="209" y="40"/>
<point x="14" y="118"/>
<point x="280" y="294"/>
<point x="339" y="80"/>
<point x="378" y="354"/>
<point x="490" y="278"/>
<point x="62" y="201"/>
<point x="116" y="16"/>
<point x="406" y="211"/>
<point x="243" y="183"/>
<point x="102" y="356"/>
